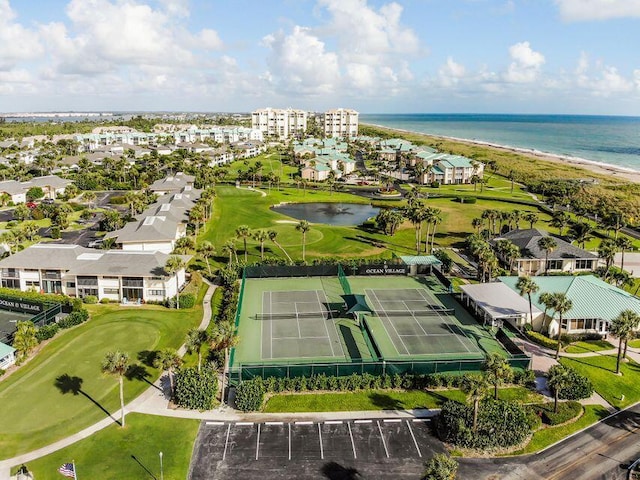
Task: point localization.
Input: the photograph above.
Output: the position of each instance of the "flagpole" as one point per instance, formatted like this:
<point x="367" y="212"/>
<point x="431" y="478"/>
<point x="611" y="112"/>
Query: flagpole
<point x="75" y="472"/>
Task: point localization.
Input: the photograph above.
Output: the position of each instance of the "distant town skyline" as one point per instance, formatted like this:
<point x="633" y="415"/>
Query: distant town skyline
<point x="484" y="56"/>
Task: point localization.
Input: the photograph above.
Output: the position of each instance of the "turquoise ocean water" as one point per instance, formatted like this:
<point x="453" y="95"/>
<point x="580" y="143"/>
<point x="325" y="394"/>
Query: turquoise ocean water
<point x="604" y="139"/>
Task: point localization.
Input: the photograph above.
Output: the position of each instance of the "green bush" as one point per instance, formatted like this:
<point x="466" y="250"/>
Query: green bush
<point x="250" y="395"/>
<point x="90" y="299"/>
<point x="534" y="418"/>
<point x="74" y="318"/>
<point x="104" y="301"/>
<point x="55" y="232"/>
<point x="566" y="411"/>
<point x="501" y="424"/>
<point x="435" y="184"/>
<point x="440" y="467"/>
<point x="196" y="391"/>
<point x="578" y="387"/>
<point x="187" y="300"/>
<point x="35" y="297"/>
<point x="526" y="378"/>
<point x="463" y="199"/>
<point x="2" y="372"/>
<point x="447" y="263"/>
<point x="118" y="200"/>
<point x="540" y="339"/>
<point x="47" y="331"/>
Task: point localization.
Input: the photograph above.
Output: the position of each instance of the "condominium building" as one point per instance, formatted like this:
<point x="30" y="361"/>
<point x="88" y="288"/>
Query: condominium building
<point x="275" y="122"/>
<point x="341" y="122"/>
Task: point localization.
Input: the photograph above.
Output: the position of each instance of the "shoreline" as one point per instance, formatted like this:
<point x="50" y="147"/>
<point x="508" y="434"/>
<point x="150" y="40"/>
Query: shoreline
<point x="607" y="169"/>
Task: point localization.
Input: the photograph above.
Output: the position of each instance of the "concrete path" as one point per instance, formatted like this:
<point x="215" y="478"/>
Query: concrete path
<point x="152" y="395"/>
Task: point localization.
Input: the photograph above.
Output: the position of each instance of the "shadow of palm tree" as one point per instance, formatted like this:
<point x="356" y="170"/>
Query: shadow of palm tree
<point x="335" y="471"/>
<point x="68" y="384"/>
<point x="385" y="401"/>
<point x="147" y="357"/>
<point x="144" y="468"/>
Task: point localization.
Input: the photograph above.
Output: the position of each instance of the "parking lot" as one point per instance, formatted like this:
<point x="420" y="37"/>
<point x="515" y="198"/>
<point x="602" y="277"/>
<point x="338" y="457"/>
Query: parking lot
<point x="374" y="448"/>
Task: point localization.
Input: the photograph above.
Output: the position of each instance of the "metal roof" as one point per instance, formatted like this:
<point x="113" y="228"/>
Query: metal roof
<point x="5" y="350"/>
<point x="420" y="260"/>
<point x="498" y="300"/>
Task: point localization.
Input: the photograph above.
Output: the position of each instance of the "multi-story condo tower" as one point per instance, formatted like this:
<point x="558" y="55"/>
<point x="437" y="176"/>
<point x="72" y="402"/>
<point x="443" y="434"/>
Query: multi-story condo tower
<point x="341" y="122"/>
<point x="279" y="123"/>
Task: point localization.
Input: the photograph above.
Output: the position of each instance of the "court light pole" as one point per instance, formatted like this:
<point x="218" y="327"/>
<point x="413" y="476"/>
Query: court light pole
<point x="161" y="469"/>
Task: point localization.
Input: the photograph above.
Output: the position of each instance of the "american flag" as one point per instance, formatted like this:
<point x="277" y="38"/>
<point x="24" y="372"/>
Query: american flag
<point x="68" y="470"/>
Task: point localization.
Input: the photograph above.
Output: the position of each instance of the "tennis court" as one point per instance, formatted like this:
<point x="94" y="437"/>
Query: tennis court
<point x="298" y="324"/>
<point x="8" y="321"/>
<point x="417" y="323"/>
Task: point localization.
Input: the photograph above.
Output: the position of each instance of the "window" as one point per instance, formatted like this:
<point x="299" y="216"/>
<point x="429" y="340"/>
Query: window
<point x="32" y="283"/>
<point x="554" y="264"/>
<point x="156" y="293"/>
<point x="109" y="278"/>
<point x="584" y="264"/>
<point x="10" y="283"/>
<point x="111" y="291"/>
<point x="71" y="284"/>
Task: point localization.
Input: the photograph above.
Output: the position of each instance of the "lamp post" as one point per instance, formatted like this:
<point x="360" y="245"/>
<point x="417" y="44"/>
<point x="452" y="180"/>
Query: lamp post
<point x="161" y="469"/>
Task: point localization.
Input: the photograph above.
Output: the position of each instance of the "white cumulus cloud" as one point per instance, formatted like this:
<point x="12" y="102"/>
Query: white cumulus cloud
<point x="17" y="43"/>
<point x="585" y="10"/>
<point x="525" y="65"/>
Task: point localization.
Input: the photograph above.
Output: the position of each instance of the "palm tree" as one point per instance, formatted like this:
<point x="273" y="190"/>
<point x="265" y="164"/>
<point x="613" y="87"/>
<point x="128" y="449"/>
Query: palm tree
<point x="172" y="267"/>
<point x="475" y="387"/>
<point x="117" y="364"/>
<point x="548" y="244"/>
<point x="545" y="299"/>
<point x="194" y="341"/>
<point x="394" y="219"/>
<point x="498" y="370"/>
<point x="272" y="236"/>
<point x="416" y="215"/>
<point x="224" y="337"/>
<point x="477" y="223"/>
<point x="230" y="248"/>
<point x="197" y="216"/>
<point x="206" y="251"/>
<point x="623" y="243"/>
<point x="560" y="220"/>
<point x="561" y="304"/>
<point x="89" y="197"/>
<point x="243" y="232"/>
<point x="261" y="236"/>
<point x="527" y="286"/>
<point x="25" y="340"/>
<point x="303" y="227"/>
<point x="622" y="327"/>
<point x="607" y="252"/>
<point x="168" y="360"/>
<point x="434" y="219"/>
<point x="532" y="218"/>
<point x="581" y="232"/>
<point x="558" y="379"/>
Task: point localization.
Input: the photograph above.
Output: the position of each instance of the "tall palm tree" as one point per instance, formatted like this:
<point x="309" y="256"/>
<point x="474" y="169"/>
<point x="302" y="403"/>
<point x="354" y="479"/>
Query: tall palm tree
<point x="623" y="243"/>
<point x="561" y="304"/>
<point x="498" y="370"/>
<point x="581" y="232"/>
<point x="532" y="218"/>
<point x="194" y="341"/>
<point x="622" y="327"/>
<point x="546" y="299"/>
<point x="172" y="267"/>
<point x="272" y="236"/>
<point x="168" y="360"/>
<point x="548" y="245"/>
<point x="229" y="247"/>
<point x="416" y="215"/>
<point x="224" y="337"/>
<point x="558" y="379"/>
<point x="261" y="236"/>
<point x="607" y="252"/>
<point x="560" y="220"/>
<point x="475" y="387"/>
<point x="206" y="251"/>
<point x="477" y="223"/>
<point x="197" y="216"/>
<point x="244" y="232"/>
<point x="303" y="227"/>
<point x="434" y="218"/>
<point x="527" y="286"/>
<point x="116" y="364"/>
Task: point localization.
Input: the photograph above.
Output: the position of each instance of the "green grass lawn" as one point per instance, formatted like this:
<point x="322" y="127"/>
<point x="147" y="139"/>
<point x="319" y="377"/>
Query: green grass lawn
<point x="129" y="453"/>
<point x="635" y="343"/>
<point x="600" y="369"/>
<point x="589" y="346"/>
<point x="39" y="407"/>
<point x="380" y="400"/>
<point x="548" y="436"/>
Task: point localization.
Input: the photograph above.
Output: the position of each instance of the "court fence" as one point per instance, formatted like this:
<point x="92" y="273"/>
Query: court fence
<point x="44" y="312"/>
<point x="247" y="371"/>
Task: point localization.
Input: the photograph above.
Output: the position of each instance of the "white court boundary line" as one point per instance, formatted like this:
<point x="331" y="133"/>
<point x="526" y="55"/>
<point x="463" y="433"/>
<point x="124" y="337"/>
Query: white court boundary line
<point x="324" y="322"/>
<point x="384" y="326"/>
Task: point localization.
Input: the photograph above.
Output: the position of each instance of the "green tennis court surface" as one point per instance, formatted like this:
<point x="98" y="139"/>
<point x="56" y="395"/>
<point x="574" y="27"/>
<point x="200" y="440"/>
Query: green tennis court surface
<point x="8" y="321"/>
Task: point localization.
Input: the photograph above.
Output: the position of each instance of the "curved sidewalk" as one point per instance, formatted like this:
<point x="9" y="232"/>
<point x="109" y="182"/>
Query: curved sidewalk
<point x="133" y="406"/>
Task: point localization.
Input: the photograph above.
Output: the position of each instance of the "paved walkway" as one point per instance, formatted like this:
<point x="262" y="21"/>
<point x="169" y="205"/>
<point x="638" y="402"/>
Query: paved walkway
<point x="149" y="395"/>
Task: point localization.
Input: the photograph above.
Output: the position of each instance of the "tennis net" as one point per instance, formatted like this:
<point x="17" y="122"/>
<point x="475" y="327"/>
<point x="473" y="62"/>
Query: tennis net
<point x="342" y="278"/>
<point x="435" y="312"/>
<point x="291" y="315"/>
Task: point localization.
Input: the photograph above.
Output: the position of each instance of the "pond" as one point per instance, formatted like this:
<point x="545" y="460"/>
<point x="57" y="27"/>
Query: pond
<point x="329" y="213"/>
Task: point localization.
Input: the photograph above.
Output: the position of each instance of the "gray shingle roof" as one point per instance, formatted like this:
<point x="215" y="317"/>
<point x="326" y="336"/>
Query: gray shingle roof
<point x="527" y="241"/>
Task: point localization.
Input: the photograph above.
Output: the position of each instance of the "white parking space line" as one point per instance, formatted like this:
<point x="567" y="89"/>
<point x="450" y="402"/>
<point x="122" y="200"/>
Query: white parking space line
<point x="289" y="441"/>
<point x="421" y="420"/>
<point x="274" y="423"/>
<point x="226" y="442"/>
<point x="243" y="424"/>
<point x="392" y="420"/>
<point x="214" y="423"/>
<point x="304" y="423"/>
<point x="258" y="443"/>
<point x="334" y="422"/>
<point x="362" y="421"/>
<point x="415" y="442"/>
<point x="321" y="447"/>
<point x="353" y="445"/>
<point x="384" y="444"/>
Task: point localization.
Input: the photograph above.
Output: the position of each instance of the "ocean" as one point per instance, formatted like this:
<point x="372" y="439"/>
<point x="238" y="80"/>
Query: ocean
<point x="603" y="139"/>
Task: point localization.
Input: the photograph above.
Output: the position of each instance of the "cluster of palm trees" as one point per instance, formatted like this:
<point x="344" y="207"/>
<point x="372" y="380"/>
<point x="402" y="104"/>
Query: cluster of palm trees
<point x="493" y="220"/>
<point x="244" y="233"/>
<point x="421" y="216"/>
<point x="607" y="251"/>
<point x="484" y="255"/>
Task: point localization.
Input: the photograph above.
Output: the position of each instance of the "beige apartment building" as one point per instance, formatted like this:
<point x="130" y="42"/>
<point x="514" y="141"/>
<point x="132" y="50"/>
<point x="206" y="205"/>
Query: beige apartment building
<point x="279" y="123"/>
<point x="341" y="122"/>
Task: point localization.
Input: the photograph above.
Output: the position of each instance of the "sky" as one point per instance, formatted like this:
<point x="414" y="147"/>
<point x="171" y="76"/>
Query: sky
<point x="376" y="56"/>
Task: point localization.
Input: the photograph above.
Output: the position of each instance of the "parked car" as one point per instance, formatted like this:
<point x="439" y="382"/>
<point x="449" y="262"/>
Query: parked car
<point x="96" y="243"/>
<point x="48" y="201"/>
<point x="31" y="204"/>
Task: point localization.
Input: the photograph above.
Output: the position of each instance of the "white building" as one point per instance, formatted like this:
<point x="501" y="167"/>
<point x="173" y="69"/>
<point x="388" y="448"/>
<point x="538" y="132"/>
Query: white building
<point x="341" y="122"/>
<point x="7" y="356"/>
<point x="78" y="272"/>
<point x="279" y="123"/>
<point x="51" y="185"/>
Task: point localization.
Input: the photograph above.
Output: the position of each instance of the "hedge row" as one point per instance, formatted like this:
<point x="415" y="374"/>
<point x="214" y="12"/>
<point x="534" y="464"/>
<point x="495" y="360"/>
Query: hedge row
<point x="36" y="297"/>
<point x="541" y="339"/>
<point x="566" y="411"/>
<point x="196" y="391"/>
<point x="251" y="392"/>
<point x="74" y="318"/>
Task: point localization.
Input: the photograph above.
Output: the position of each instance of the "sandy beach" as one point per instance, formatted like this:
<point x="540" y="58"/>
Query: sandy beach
<point x="618" y="173"/>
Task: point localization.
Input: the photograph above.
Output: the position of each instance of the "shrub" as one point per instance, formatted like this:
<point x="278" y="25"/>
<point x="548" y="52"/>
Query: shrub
<point x="501" y="424"/>
<point x="74" y="318"/>
<point x="540" y="339"/>
<point x="196" y="391"/>
<point x="37" y="214"/>
<point x="118" y="200"/>
<point x="90" y="299"/>
<point x="578" y="387"/>
<point x="47" y="331"/>
<point x="534" y="418"/>
<point x="566" y="411"/>
<point x="447" y="263"/>
<point x="250" y="395"/>
<point x="55" y="232"/>
<point x="105" y="301"/>
<point x="187" y="300"/>
<point x="435" y="184"/>
<point x="466" y="199"/>
<point x="526" y="378"/>
<point x="440" y="467"/>
<point x="2" y="372"/>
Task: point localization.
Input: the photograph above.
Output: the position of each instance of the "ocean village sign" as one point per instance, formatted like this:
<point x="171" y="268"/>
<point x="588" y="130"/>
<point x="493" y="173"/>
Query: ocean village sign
<point x="383" y="269"/>
<point x="20" y="305"/>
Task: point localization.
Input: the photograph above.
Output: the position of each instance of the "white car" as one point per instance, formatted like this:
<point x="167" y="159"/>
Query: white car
<point x="95" y="243"/>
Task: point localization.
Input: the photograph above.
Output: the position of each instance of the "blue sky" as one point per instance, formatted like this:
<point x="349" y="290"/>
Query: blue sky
<point x="485" y="56"/>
